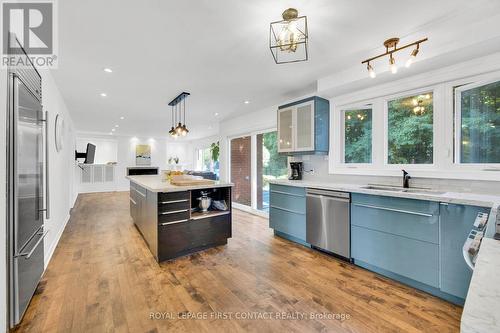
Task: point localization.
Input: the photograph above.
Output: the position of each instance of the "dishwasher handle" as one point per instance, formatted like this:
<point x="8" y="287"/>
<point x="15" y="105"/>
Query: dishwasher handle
<point x="332" y="194"/>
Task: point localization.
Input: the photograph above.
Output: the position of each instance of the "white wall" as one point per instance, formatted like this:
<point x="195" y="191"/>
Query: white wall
<point x="121" y="149"/>
<point x="61" y="177"/>
<point x="61" y="172"/>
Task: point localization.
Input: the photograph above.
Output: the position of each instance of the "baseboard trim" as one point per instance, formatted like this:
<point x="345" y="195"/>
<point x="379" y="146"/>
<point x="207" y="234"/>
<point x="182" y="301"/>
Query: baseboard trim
<point x="53" y="247"/>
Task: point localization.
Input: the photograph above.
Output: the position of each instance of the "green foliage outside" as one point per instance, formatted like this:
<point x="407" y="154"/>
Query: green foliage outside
<point x="276" y="166"/>
<point x="358" y="136"/>
<point x="481" y="124"/>
<point x="411" y="132"/>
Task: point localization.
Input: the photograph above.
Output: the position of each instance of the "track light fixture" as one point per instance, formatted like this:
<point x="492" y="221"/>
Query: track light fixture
<point x="391" y="47"/>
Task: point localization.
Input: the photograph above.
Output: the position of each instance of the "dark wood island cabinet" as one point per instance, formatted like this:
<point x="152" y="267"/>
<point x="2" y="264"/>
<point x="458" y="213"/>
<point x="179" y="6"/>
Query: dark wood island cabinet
<point x="169" y="220"/>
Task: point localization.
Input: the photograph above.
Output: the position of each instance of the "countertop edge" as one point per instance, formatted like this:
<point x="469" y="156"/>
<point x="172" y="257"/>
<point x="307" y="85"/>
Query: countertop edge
<point x="173" y="188"/>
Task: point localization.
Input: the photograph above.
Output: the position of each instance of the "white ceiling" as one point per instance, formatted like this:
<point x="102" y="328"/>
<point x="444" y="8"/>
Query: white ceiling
<point x="218" y="51"/>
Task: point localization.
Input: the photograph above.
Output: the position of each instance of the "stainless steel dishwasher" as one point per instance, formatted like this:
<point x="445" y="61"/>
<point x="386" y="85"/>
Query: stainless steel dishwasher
<point x="328" y="221"/>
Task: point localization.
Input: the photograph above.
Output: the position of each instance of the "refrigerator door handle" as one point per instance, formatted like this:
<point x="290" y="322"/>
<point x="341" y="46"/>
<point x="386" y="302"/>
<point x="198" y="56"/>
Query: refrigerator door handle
<point x="30" y="253"/>
<point x="47" y="169"/>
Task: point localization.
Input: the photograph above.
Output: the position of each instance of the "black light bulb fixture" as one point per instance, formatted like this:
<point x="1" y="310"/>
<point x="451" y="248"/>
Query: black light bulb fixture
<point x="179" y="127"/>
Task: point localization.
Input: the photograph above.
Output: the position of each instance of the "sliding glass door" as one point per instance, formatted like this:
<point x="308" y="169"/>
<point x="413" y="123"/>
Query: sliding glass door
<point x="270" y="165"/>
<point x="254" y="160"/>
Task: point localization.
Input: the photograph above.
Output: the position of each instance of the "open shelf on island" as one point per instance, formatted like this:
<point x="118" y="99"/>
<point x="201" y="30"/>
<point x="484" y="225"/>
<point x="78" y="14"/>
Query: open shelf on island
<point x="211" y="213"/>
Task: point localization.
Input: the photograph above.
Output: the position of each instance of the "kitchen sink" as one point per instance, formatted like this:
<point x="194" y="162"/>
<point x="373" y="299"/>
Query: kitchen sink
<point x="401" y="189"/>
<point x="383" y="188"/>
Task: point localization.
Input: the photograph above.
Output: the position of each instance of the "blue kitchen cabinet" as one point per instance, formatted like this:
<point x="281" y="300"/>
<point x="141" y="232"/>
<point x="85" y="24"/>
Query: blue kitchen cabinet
<point x="303" y="127"/>
<point x="456" y="223"/>
<point x="287" y="213"/>
<point x="397" y="237"/>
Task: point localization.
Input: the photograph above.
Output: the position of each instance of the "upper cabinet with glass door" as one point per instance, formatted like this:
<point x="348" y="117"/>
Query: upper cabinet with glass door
<point x="303" y="127"/>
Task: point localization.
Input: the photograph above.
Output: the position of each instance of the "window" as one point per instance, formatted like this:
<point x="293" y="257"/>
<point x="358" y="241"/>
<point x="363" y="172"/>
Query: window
<point x="270" y="165"/>
<point x="410" y="129"/>
<point x="478" y="112"/>
<point x="204" y="162"/>
<point x="358" y="136"/>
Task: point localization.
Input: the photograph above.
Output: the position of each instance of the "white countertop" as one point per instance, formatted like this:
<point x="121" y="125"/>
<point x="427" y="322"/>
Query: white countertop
<point x="482" y="306"/>
<point x="155" y="183"/>
<point x="473" y="199"/>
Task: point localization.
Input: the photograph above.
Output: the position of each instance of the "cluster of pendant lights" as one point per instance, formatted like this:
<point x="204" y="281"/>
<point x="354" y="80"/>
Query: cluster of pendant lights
<point x="391" y="47"/>
<point x="179" y="127"/>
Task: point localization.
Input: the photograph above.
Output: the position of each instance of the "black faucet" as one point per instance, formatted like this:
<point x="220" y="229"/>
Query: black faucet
<point x="406" y="179"/>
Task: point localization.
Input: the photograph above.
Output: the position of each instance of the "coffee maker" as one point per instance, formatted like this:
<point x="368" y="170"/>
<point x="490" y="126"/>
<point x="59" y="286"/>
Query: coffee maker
<point x="297" y="169"/>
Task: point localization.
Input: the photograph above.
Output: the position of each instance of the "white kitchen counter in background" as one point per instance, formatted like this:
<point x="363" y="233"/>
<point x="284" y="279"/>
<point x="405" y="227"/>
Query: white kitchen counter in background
<point x="482" y="306"/>
<point x="155" y="183"/>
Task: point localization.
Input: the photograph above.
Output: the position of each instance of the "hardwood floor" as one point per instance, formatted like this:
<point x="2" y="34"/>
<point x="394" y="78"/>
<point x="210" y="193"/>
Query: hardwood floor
<point x="102" y="278"/>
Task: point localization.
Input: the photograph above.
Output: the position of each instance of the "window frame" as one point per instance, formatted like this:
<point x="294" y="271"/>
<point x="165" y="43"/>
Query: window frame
<point x="435" y="129"/>
<point x="457" y="118"/>
<point x="442" y="82"/>
<point x="342" y="133"/>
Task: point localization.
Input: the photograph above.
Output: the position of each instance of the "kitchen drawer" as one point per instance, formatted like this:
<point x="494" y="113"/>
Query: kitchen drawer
<point x="409" y="258"/>
<point x="171" y="196"/>
<point x="210" y="230"/>
<point x="414" y="205"/>
<point x="292" y="190"/>
<point x="406" y="223"/>
<point x="173" y="205"/>
<point x="173" y="239"/>
<point x="289" y="223"/>
<point x="287" y="201"/>
<point x="173" y="216"/>
<point x="142" y="192"/>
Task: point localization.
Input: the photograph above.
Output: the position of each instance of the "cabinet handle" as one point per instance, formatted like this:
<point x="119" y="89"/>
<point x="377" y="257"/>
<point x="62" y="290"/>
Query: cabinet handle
<point x="287" y="210"/>
<point x="174" y="222"/>
<point x="135" y="203"/>
<point x="173" y="201"/>
<point x="286" y="193"/>
<point x="174" y="212"/>
<point x="395" y="210"/>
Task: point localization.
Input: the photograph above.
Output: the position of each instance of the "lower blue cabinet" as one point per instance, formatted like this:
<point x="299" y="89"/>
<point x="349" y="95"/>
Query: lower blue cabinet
<point x="410" y="258"/>
<point x="416" y="242"/>
<point x="397" y="235"/>
<point x="456" y="223"/>
<point x="287" y="213"/>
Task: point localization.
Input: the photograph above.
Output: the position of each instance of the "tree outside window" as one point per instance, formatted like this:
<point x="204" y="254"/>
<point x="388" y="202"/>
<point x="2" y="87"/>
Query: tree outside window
<point x="410" y="130"/>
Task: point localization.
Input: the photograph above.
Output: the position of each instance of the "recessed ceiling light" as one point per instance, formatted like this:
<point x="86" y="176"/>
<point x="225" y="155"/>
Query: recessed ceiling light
<point x="122" y="117"/>
<point x="108" y="70"/>
<point x="110" y="133"/>
<point x="104" y="94"/>
<point x="246" y="102"/>
<point x="112" y="130"/>
<point x="117" y="126"/>
<point x="216" y="114"/>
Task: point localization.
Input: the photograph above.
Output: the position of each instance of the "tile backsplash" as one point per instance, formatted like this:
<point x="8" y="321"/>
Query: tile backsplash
<point x="319" y="164"/>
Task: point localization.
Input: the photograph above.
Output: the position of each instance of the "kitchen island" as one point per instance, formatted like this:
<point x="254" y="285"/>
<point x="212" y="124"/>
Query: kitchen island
<point x="170" y="221"/>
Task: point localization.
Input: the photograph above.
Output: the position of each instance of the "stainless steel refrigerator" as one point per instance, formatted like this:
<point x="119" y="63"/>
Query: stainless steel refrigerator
<point x="27" y="200"/>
